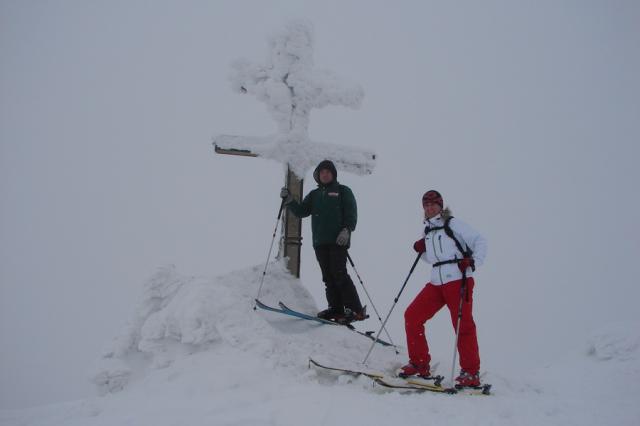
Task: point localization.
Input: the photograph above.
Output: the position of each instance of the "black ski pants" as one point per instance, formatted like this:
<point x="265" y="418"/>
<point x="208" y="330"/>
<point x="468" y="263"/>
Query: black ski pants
<point x="341" y="293"/>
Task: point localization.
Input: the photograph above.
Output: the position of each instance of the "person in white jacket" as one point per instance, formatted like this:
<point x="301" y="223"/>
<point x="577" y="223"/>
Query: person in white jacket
<point x="451" y="247"/>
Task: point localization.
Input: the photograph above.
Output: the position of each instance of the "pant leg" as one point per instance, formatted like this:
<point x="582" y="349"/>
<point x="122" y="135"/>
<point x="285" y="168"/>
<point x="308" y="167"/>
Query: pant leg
<point x="467" y="338"/>
<point x="424" y="307"/>
<point x="342" y="280"/>
<point x="334" y="298"/>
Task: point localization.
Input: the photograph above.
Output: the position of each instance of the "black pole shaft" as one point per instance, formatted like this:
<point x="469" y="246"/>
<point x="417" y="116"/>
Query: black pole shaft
<point x="463" y="287"/>
<point x="275" y="230"/>
<point x="371" y="301"/>
<point x="395" y="301"/>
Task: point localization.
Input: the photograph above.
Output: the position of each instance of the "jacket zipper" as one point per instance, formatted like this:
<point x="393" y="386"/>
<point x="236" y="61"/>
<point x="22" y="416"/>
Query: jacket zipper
<point x="433" y="242"/>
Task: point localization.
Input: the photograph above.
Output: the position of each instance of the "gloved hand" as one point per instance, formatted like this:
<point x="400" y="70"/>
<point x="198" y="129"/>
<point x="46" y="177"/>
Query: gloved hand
<point x="465" y="263"/>
<point x="420" y="246"/>
<point x="286" y="195"/>
<point x="343" y="237"/>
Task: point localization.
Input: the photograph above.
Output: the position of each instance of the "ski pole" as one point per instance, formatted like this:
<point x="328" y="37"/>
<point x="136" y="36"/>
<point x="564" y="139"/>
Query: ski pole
<point x="270" y="248"/>
<point x="395" y="301"/>
<point x="463" y="287"/>
<point x="371" y="301"/>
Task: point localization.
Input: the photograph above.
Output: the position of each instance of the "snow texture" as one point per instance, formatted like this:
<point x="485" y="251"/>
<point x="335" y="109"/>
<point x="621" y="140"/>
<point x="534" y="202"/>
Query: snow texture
<point x="180" y="316"/>
<point x="613" y="343"/>
<point x="288" y="82"/>
<point x="196" y="353"/>
<point x="302" y="156"/>
<point x="291" y="87"/>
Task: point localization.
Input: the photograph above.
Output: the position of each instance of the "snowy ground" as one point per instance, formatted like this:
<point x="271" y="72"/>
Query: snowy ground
<point x="196" y="353"/>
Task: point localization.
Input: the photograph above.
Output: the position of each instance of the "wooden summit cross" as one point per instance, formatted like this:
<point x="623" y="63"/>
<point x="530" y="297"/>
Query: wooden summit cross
<point x="291" y="87"/>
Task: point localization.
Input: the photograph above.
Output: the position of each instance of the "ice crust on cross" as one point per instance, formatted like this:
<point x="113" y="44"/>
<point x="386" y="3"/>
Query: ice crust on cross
<point x="291" y="87"/>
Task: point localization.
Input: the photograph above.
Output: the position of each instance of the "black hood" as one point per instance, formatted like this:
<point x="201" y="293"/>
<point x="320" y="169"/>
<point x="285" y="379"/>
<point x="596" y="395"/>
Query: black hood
<point x="328" y="165"/>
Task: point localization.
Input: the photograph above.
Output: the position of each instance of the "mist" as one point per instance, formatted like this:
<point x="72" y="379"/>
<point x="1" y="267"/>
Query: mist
<point x="525" y="116"/>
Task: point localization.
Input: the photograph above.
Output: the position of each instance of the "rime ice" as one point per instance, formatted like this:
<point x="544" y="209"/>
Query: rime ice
<point x="290" y="86"/>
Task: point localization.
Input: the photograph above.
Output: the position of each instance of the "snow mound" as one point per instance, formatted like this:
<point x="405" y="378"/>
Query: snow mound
<point x="180" y="316"/>
<point x="615" y="342"/>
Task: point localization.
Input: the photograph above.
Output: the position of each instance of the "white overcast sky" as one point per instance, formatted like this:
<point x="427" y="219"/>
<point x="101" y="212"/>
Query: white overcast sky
<point x="524" y="114"/>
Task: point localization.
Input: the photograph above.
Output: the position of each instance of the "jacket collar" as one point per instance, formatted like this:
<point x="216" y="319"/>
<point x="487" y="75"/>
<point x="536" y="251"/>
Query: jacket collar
<point x="434" y="221"/>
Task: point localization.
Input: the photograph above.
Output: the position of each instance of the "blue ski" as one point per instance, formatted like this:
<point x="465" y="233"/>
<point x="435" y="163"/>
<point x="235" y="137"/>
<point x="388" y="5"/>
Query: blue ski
<point x="284" y="309"/>
<point x="261" y="305"/>
<point x="290" y="311"/>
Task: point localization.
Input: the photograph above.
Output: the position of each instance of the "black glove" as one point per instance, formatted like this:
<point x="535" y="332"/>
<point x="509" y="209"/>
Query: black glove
<point x="343" y="237"/>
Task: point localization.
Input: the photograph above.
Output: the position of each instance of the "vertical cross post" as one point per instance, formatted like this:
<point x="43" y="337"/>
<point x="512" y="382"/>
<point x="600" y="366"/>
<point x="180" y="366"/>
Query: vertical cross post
<point x="291" y="238"/>
<point x="293" y="226"/>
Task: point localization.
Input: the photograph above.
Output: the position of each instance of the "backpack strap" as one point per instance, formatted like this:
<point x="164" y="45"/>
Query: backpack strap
<point x="447" y="230"/>
<point x="445" y="262"/>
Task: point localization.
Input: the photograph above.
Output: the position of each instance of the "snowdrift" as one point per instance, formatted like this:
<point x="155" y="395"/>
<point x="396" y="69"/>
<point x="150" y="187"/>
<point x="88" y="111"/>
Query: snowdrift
<point x="196" y="353"/>
<point x="180" y="316"/>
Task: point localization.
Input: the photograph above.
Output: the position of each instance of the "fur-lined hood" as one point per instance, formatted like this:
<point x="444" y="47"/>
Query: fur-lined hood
<point x="445" y="213"/>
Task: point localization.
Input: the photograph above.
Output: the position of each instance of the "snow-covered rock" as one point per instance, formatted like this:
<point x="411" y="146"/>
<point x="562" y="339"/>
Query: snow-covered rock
<point x="616" y="342"/>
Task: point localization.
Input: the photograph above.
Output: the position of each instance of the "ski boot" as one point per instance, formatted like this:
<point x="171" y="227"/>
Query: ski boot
<point x="328" y="314"/>
<point x="414" y="370"/>
<point x="351" y="316"/>
<point x="468" y="380"/>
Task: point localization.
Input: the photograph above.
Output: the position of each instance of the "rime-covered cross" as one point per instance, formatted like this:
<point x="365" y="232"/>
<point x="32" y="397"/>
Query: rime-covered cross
<point x="291" y="87"/>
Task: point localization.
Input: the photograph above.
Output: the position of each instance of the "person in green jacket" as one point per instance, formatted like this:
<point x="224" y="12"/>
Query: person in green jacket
<point x="334" y="214"/>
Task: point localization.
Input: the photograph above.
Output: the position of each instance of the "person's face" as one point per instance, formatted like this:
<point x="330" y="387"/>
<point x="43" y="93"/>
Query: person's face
<point x="325" y="176"/>
<point x="431" y="209"/>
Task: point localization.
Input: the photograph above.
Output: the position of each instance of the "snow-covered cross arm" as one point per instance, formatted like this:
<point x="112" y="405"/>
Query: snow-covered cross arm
<point x="300" y="156"/>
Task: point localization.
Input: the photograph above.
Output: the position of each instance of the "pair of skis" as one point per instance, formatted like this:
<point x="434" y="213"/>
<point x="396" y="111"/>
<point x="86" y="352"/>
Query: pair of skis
<point x="431" y="384"/>
<point x="284" y="309"/>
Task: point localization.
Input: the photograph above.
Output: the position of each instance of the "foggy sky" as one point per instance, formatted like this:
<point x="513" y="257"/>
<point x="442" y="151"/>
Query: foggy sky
<point x="525" y="115"/>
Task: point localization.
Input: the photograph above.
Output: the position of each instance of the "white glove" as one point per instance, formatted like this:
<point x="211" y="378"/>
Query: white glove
<point x="343" y="237"/>
<point x="286" y="196"/>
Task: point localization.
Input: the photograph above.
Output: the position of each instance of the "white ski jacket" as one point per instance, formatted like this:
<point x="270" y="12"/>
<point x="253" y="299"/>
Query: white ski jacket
<point x="440" y="248"/>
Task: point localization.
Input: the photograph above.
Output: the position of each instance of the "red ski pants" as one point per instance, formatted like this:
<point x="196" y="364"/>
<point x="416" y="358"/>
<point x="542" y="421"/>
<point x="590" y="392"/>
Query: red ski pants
<point x="429" y="301"/>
